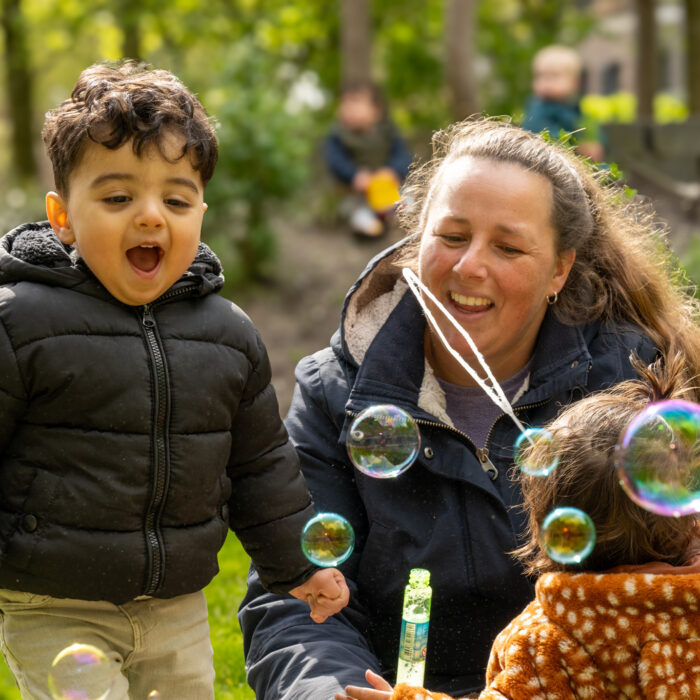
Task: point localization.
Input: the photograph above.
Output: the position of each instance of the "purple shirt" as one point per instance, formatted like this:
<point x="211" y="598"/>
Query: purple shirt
<point x="472" y="411"/>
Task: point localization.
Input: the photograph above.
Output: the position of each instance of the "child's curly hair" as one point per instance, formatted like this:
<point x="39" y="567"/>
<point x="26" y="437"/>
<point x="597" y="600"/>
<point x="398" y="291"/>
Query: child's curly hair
<point x="586" y="478"/>
<point x="112" y="104"/>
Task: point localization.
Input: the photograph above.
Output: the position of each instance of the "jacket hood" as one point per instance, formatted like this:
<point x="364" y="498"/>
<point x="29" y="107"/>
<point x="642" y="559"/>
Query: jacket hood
<point x="370" y="301"/>
<point x="32" y="252"/>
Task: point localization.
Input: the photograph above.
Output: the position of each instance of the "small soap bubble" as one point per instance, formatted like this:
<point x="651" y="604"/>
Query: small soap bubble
<point x="383" y="441"/>
<point x="153" y="695"/>
<point x="658" y="458"/>
<point x="536" y="452"/>
<point x="82" y="672"/>
<point x="568" y="535"/>
<point x="327" y="539"/>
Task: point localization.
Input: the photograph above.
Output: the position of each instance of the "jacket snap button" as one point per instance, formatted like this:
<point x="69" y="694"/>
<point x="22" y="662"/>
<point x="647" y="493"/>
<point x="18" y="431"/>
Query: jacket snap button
<point x="428" y="452"/>
<point x="30" y="522"/>
<point x="574" y="364"/>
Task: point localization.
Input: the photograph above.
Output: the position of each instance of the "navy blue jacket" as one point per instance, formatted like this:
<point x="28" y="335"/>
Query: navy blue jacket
<point x="449" y="513"/>
<point x="346" y="156"/>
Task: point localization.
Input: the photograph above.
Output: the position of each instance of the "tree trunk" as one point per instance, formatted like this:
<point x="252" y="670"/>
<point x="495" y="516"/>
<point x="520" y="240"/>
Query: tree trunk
<point x="646" y="59"/>
<point x="18" y="80"/>
<point x="355" y="41"/>
<point x="692" y="23"/>
<point x="128" y="18"/>
<point x="459" y="40"/>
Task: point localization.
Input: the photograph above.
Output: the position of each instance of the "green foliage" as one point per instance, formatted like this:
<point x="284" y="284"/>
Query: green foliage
<point x="224" y="595"/>
<point x="622" y="107"/>
<point x="265" y="143"/>
<point x="690" y="260"/>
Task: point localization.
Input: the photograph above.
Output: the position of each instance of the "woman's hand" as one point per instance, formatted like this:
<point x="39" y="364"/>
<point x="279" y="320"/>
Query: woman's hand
<point x="382" y="690"/>
<point x="326" y="593"/>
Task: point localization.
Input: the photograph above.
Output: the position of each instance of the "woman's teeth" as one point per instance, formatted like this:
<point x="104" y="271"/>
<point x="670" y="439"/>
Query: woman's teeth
<point x="469" y="301"/>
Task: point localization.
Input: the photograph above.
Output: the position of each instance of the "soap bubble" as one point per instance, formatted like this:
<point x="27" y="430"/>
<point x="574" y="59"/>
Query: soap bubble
<point x="568" y="535"/>
<point x="383" y="441"/>
<point x="82" y="672"/>
<point x="327" y="539"/>
<point x="658" y="458"/>
<point x="153" y="695"/>
<point x="536" y="452"/>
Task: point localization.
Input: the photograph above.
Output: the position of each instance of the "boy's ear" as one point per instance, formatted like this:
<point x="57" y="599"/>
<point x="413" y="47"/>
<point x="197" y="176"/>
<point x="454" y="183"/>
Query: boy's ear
<point x="58" y="217"/>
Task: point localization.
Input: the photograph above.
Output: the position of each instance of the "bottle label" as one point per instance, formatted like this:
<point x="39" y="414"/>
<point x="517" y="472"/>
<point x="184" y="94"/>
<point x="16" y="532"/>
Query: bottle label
<point x="414" y="641"/>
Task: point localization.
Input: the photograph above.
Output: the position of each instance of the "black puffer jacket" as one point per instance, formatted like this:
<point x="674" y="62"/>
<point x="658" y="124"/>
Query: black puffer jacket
<point x="132" y="437"/>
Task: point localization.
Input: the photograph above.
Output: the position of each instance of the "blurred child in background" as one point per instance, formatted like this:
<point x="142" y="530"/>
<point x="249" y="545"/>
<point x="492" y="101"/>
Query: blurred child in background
<point x="555" y="105"/>
<point x="365" y="152"/>
<point x="632" y="632"/>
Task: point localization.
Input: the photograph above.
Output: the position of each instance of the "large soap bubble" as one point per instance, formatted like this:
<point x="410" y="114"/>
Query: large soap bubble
<point x="327" y="539"/>
<point x="82" y="672"/>
<point x="568" y="535"/>
<point x="658" y="458"/>
<point x="536" y="452"/>
<point x="383" y="441"/>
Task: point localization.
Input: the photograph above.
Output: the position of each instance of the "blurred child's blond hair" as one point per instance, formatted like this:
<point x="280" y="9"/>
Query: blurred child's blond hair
<point x="557" y="55"/>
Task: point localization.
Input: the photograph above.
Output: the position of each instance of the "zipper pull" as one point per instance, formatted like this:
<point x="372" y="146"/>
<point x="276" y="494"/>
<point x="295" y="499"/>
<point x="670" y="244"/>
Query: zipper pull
<point x="486" y="464"/>
<point x="148" y="320"/>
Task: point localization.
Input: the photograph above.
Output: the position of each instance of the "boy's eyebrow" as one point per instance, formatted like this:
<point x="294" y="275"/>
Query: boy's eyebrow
<point x="126" y="176"/>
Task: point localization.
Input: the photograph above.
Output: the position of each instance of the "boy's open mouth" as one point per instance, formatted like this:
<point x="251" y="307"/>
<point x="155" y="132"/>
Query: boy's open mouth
<point x="144" y="257"/>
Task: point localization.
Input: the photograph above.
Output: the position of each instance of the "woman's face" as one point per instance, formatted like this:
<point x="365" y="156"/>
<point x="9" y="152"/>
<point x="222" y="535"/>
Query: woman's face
<point x="488" y="254"/>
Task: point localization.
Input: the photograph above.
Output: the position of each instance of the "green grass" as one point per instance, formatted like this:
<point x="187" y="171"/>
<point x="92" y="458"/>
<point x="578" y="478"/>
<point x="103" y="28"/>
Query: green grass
<point x="224" y="594"/>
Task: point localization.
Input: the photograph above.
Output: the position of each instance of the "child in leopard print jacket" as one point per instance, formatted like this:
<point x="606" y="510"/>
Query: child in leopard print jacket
<point x="625" y="623"/>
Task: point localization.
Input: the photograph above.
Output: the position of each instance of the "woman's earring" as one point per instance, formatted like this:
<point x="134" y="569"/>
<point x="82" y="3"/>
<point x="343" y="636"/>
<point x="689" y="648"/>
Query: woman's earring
<point x="553" y="299"/>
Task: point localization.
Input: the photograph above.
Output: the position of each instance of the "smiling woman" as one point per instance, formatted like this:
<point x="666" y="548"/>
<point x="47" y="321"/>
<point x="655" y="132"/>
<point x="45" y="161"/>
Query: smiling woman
<point x="558" y="281"/>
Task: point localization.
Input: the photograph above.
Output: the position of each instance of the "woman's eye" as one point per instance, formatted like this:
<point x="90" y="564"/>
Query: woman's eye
<point x="451" y="237"/>
<point x="509" y="250"/>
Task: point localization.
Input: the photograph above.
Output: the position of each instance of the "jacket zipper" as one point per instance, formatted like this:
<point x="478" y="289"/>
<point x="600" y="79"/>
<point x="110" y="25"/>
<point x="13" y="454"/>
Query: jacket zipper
<point x="160" y="476"/>
<point x="482" y="453"/>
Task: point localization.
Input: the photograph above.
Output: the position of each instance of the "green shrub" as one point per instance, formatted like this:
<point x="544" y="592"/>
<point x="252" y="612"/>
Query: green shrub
<point x="622" y="107"/>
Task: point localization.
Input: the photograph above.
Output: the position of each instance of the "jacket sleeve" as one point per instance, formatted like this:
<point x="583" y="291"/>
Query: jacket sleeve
<point x="12" y="392"/>
<point x="287" y="655"/>
<point x="400" y="157"/>
<point x="270" y="503"/>
<point x="338" y="160"/>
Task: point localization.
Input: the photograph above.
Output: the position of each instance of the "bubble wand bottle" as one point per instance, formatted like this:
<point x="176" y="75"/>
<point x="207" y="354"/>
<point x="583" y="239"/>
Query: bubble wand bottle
<point x="414" y="628"/>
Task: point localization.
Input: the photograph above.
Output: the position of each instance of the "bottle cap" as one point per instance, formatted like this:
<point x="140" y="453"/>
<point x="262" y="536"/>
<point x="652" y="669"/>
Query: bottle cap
<point x="420" y="577"/>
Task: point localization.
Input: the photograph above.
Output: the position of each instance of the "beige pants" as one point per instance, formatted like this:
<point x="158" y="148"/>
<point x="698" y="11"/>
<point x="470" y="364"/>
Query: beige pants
<point x="153" y="644"/>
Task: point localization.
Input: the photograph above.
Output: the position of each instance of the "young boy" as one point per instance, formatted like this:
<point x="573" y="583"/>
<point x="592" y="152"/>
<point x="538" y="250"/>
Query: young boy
<point x="365" y="152"/>
<point x="625" y="622"/>
<point x="138" y="419"/>
<point x="554" y="105"/>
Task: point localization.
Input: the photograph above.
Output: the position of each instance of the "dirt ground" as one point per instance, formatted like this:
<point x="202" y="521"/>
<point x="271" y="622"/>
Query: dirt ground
<point x="298" y="311"/>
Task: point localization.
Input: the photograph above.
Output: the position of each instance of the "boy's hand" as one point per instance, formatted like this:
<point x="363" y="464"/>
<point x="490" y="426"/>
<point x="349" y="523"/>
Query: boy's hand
<point x="381" y="690"/>
<point x="326" y="593"/>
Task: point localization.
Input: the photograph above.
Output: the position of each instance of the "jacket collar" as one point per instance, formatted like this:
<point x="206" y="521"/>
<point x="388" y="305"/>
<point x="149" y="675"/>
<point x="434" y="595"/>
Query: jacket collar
<point x="32" y="252"/>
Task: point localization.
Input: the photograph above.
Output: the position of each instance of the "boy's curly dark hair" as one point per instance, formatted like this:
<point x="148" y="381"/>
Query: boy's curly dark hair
<point x="586" y="478"/>
<point x="112" y="104"/>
